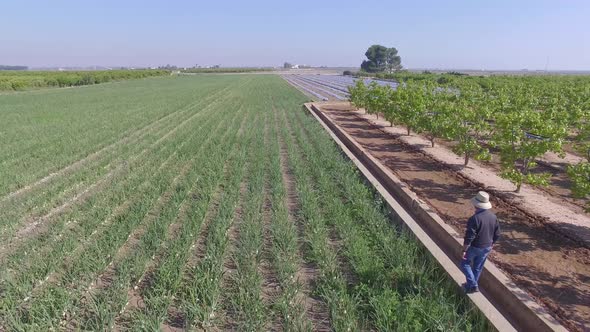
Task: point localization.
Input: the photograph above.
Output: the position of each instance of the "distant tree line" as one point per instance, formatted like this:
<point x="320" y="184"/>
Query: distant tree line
<point x="217" y="69"/>
<point x="24" y="80"/>
<point x="168" y="67"/>
<point x="4" y="67"/>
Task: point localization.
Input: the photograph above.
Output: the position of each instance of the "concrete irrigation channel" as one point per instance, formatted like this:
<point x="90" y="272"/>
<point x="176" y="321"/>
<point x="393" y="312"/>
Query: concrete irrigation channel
<point x="504" y="304"/>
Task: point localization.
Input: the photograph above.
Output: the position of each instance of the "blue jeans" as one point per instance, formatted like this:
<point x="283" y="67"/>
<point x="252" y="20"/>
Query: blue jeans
<point x="473" y="263"/>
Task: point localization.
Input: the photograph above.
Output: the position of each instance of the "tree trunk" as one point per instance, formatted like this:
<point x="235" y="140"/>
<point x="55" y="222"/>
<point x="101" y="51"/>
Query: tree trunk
<point x="525" y="171"/>
<point x="525" y="166"/>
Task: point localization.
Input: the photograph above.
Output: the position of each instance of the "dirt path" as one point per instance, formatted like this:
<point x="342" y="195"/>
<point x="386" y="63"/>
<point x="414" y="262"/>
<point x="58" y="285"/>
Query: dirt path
<point x="554" y="269"/>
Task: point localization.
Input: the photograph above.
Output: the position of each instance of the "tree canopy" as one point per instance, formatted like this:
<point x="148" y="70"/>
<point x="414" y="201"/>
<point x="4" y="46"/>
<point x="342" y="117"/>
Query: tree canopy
<point x="380" y="59"/>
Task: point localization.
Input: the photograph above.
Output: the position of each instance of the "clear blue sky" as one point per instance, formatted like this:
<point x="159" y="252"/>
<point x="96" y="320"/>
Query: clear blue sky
<point x="498" y="34"/>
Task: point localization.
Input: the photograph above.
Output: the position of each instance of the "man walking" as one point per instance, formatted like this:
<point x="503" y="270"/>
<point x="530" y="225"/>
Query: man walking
<point x="483" y="230"/>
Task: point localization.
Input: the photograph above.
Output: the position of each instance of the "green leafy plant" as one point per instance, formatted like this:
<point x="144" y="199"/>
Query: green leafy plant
<point x="358" y="94"/>
<point x="524" y="133"/>
<point x="468" y="112"/>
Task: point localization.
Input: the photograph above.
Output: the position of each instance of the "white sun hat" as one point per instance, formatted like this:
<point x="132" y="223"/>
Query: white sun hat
<point x="482" y="201"/>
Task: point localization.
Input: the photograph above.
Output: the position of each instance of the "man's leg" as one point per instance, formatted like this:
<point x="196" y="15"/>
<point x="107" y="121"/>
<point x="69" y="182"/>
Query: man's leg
<point x="478" y="262"/>
<point x="466" y="268"/>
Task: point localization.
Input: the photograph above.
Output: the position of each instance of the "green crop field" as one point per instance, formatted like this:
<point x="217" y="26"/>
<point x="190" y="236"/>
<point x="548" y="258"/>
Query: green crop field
<point x="199" y="202"/>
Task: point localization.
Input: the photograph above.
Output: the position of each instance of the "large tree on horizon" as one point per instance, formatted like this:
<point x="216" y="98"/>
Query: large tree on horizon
<point x="381" y="58"/>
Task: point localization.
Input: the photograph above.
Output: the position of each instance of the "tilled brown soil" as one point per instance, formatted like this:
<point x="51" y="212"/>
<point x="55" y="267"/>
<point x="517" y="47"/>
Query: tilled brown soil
<point x="552" y="268"/>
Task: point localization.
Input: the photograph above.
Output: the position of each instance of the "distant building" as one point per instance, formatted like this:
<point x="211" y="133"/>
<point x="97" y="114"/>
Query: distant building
<point x="301" y="66"/>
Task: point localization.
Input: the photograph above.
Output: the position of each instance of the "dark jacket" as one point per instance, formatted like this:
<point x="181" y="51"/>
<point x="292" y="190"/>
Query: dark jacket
<point x="483" y="229"/>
